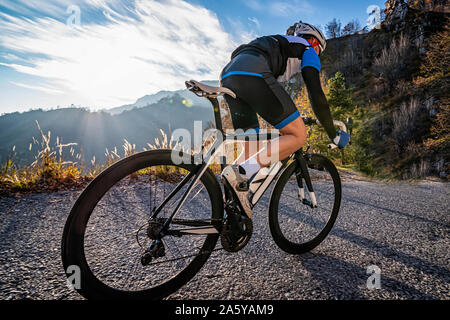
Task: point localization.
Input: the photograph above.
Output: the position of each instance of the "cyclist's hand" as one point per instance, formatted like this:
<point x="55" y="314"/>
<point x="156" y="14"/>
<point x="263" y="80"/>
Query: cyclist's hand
<point x="342" y="139"/>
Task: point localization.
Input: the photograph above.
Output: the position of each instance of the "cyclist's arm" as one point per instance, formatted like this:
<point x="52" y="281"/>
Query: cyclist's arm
<point x="318" y="101"/>
<point x="310" y="72"/>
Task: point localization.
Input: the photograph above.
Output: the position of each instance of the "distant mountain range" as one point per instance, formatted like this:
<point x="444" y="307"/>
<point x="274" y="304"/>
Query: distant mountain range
<point x="191" y="99"/>
<point x="139" y="124"/>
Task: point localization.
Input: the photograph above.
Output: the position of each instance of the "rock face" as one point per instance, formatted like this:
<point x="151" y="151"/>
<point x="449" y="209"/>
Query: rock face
<point x="396" y="10"/>
<point x="429" y="5"/>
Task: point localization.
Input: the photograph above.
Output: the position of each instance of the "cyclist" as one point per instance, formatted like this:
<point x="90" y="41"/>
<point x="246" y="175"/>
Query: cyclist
<point x="254" y="74"/>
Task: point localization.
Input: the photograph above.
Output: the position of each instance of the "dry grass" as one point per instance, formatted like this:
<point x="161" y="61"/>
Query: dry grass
<point x="392" y="59"/>
<point x="50" y="172"/>
<point x="404" y="120"/>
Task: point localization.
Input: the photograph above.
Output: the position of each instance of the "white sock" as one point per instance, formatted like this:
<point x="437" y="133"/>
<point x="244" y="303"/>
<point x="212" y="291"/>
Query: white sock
<point x="251" y="166"/>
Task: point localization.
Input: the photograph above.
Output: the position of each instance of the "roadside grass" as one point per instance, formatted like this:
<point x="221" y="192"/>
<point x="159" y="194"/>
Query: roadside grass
<point x="51" y="171"/>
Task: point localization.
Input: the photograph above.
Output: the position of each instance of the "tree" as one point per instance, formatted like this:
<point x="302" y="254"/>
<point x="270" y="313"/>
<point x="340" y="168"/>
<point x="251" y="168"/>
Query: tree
<point x="333" y="29"/>
<point x="340" y="100"/>
<point x="351" y="27"/>
<point x="437" y="58"/>
<point x="339" y="96"/>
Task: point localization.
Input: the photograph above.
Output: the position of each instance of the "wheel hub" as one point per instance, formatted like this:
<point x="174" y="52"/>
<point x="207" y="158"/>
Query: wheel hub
<point x="154" y="228"/>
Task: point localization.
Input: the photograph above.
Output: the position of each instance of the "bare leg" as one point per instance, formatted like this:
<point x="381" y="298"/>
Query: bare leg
<point x="249" y="149"/>
<point x="293" y="137"/>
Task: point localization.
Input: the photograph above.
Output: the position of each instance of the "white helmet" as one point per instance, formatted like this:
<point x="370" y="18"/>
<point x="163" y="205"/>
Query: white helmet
<point x="301" y="28"/>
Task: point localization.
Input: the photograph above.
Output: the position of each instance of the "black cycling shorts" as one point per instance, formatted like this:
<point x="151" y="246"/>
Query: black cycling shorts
<point x="258" y="92"/>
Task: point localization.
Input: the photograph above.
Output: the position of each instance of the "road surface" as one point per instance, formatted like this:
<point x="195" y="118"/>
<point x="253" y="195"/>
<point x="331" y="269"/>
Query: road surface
<point x="400" y="228"/>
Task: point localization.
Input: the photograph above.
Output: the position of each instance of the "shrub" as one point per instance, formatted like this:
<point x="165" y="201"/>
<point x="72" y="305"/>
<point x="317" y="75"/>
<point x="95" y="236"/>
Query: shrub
<point x="392" y="59"/>
<point x="404" y="121"/>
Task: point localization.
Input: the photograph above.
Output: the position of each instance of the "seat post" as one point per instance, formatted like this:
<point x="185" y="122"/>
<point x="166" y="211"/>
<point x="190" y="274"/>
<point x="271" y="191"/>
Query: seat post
<point x="217" y="117"/>
<point x="218" y="121"/>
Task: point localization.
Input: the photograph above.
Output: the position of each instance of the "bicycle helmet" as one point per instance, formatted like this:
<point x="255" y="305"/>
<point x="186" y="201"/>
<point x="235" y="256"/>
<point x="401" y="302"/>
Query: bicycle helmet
<point x="302" y="29"/>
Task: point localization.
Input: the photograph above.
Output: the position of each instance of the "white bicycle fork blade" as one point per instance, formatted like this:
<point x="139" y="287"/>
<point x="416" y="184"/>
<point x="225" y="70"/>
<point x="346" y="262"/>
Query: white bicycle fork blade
<point x="301" y="195"/>
<point x="313" y="199"/>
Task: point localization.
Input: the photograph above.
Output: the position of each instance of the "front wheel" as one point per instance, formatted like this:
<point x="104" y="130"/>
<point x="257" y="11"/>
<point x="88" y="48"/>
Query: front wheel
<point x="111" y="226"/>
<point x="296" y="227"/>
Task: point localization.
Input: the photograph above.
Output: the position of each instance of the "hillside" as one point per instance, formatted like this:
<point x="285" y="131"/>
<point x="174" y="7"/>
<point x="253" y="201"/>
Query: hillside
<point x="95" y="131"/>
<point x="399" y="79"/>
<point x="154" y="98"/>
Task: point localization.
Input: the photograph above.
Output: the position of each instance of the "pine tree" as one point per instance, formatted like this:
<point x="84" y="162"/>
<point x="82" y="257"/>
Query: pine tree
<point x="339" y="97"/>
<point x="340" y="100"/>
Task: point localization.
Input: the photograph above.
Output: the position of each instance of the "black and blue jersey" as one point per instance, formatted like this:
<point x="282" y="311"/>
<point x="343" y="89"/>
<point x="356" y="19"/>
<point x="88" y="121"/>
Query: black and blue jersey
<point x="285" y="56"/>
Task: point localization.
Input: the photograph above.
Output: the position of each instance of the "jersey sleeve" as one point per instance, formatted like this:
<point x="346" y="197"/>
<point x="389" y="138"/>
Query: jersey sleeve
<point x="311" y="59"/>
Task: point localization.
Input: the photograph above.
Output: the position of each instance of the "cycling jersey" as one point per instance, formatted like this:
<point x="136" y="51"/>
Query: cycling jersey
<point x="286" y="55"/>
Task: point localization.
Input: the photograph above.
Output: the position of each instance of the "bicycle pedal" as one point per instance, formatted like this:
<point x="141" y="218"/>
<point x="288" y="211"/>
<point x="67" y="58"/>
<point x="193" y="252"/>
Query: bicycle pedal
<point x="243" y="186"/>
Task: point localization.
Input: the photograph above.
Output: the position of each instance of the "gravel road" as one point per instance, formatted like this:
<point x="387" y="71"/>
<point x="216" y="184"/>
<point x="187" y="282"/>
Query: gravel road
<point x="402" y="228"/>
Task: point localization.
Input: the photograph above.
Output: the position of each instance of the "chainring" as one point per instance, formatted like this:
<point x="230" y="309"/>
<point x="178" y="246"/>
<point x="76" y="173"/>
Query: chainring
<point x="233" y="239"/>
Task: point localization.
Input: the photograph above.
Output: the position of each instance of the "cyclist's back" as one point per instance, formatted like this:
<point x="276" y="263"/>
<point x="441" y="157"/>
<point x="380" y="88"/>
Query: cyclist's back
<point x="283" y="53"/>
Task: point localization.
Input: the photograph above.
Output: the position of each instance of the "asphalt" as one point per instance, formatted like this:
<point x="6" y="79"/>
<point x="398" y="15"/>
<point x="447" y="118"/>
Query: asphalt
<point x="400" y="229"/>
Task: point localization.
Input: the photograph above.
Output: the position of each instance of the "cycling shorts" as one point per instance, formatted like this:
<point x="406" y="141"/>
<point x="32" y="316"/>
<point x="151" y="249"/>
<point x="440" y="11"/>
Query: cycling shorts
<point x="258" y="92"/>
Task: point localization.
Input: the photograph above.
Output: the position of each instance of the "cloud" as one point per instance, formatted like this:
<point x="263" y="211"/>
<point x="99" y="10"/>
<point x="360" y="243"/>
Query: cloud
<point x="240" y="30"/>
<point x="140" y="49"/>
<point x="285" y="8"/>
<point x="255" y="21"/>
<point x="254" y="4"/>
<point x="38" y="88"/>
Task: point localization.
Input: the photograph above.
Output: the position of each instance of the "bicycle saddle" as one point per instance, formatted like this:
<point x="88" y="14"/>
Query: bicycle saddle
<point x="203" y="90"/>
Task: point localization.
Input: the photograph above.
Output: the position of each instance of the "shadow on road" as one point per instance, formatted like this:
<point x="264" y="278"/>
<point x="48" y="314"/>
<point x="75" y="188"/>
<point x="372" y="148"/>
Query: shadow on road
<point x="406" y="259"/>
<point x="343" y="280"/>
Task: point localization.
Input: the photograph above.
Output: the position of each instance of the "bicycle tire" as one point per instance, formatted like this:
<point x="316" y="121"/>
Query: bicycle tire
<point x="73" y="235"/>
<point x="280" y="239"/>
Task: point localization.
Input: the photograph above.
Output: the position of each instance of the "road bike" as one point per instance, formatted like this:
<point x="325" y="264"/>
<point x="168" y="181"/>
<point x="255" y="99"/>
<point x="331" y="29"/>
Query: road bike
<point x="147" y="224"/>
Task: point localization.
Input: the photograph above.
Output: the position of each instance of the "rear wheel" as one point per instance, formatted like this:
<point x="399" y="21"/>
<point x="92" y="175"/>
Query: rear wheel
<point x="295" y="226"/>
<point x="110" y="227"/>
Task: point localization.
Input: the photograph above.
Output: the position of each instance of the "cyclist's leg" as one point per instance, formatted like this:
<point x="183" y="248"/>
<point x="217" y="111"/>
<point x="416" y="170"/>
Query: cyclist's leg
<point x="244" y="117"/>
<point x="267" y="97"/>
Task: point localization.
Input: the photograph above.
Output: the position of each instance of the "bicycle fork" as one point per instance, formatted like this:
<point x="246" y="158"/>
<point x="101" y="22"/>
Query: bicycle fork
<point x="303" y="173"/>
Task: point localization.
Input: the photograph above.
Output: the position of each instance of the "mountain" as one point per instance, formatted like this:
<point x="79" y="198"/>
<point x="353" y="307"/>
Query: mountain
<point x="154" y="98"/>
<point x="95" y="131"/>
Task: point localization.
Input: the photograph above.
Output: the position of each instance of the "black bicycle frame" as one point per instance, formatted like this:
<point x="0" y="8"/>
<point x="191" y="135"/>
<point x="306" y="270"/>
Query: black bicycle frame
<point x="201" y="168"/>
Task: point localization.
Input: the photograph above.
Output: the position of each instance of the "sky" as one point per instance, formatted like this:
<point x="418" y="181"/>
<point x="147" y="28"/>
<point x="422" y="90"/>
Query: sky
<point x="101" y="54"/>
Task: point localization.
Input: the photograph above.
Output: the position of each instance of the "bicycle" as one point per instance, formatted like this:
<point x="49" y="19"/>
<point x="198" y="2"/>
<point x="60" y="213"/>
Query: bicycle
<point x="128" y="248"/>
